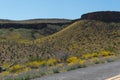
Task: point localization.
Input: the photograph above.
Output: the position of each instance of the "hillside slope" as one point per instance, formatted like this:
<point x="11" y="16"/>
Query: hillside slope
<point x="83" y="36"/>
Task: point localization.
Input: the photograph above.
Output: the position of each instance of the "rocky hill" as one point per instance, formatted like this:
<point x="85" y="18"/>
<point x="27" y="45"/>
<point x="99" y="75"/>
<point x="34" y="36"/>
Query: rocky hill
<point x="106" y="16"/>
<point x="84" y="36"/>
<point x="30" y="29"/>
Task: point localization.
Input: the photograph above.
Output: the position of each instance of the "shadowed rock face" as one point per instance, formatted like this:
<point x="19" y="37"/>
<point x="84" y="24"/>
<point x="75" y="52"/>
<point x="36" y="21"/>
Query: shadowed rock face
<point x="29" y="26"/>
<point x="105" y="16"/>
<point x="33" y="23"/>
<point x="46" y="26"/>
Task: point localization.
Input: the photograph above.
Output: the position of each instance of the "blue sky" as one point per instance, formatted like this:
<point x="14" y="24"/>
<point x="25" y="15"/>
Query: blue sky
<point x="70" y="9"/>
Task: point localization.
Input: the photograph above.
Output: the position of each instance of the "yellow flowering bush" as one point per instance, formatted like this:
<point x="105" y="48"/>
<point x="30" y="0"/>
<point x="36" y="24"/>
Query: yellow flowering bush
<point x="51" y="62"/>
<point x="106" y="53"/>
<point x="95" y="60"/>
<point x="72" y="59"/>
<point x="36" y="64"/>
<point x="26" y="69"/>
<point x="94" y="55"/>
<point x="16" y="69"/>
<point x="70" y="64"/>
<point x="87" y="56"/>
<point x="60" y="64"/>
<point x="57" y="66"/>
<point x="81" y="62"/>
<point x="5" y="73"/>
<point x="5" y="65"/>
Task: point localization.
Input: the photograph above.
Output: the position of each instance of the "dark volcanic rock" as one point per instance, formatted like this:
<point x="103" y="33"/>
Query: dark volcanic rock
<point x="29" y="26"/>
<point x="43" y="26"/>
<point x="105" y="16"/>
<point x="33" y="23"/>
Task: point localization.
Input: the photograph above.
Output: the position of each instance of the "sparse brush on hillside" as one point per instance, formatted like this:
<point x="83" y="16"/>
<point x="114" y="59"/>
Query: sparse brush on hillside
<point x="81" y="37"/>
<point x="83" y="43"/>
<point x="38" y="68"/>
<point x="28" y="34"/>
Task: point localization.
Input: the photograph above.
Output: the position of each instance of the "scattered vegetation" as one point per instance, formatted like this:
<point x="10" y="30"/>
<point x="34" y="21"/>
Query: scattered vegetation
<point x="37" y="68"/>
<point x="37" y="53"/>
<point x="72" y="40"/>
<point x="82" y="37"/>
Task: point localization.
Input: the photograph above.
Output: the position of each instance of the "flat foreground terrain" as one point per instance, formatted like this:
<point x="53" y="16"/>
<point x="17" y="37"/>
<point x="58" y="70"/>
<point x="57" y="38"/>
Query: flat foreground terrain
<point x="98" y="72"/>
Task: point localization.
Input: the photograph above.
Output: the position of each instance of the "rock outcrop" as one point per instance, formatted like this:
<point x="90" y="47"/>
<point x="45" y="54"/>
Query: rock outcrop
<point x="105" y="16"/>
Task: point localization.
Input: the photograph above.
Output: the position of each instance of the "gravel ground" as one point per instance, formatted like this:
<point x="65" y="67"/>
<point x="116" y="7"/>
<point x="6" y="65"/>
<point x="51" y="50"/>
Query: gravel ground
<point x="97" y="72"/>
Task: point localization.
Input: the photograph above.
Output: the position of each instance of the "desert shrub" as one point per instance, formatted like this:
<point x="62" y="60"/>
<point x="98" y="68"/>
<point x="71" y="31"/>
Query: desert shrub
<point x="71" y="67"/>
<point x="26" y="69"/>
<point x="16" y="69"/>
<point x="36" y="64"/>
<point x="75" y="63"/>
<point x="82" y="63"/>
<point x="87" y="56"/>
<point x="51" y="62"/>
<point x="106" y="53"/>
<point x="5" y="65"/>
<point x="56" y="70"/>
<point x="95" y="55"/>
<point x="33" y="64"/>
<point x="95" y="60"/>
<point x="60" y="65"/>
<point x="110" y="58"/>
<point x="36" y="59"/>
<point x="5" y="73"/>
<point x="72" y="59"/>
<point x="61" y="55"/>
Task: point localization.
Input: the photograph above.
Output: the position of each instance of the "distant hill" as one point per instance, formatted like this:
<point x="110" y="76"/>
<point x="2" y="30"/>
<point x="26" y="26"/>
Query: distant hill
<point x="30" y="29"/>
<point x="84" y="36"/>
<point x="35" y="21"/>
<point x="105" y="16"/>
